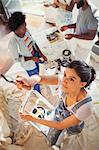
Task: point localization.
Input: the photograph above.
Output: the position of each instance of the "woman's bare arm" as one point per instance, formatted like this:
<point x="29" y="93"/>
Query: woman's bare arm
<point x="60" y="125"/>
<point x="50" y="80"/>
<point x="27" y="83"/>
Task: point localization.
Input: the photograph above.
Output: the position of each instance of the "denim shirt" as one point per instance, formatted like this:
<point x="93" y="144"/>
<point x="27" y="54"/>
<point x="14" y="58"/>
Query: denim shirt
<point x="62" y="112"/>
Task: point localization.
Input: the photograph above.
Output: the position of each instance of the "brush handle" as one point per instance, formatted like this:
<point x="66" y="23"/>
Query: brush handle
<point x="10" y="81"/>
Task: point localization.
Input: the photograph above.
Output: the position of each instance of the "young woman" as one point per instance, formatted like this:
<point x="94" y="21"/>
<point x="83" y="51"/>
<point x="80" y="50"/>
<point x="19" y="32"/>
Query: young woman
<point x="22" y="44"/>
<point x="75" y="103"/>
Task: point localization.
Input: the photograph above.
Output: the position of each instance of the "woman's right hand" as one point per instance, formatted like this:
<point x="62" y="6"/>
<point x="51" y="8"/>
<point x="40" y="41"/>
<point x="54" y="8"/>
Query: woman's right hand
<point x="27" y="83"/>
<point x="22" y="82"/>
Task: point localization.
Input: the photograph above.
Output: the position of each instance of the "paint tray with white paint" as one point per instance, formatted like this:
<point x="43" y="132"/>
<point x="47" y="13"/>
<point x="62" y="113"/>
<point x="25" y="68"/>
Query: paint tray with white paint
<point x="38" y="106"/>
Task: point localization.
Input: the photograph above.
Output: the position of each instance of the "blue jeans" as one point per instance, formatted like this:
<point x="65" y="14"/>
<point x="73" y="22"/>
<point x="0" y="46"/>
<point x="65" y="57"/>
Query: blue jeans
<point x="32" y="72"/>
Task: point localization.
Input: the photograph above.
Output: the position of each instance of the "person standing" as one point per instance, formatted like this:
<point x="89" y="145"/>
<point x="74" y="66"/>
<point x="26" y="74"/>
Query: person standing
<point x="80" y="42"/>
<point x="75" y="103"/>
<point x="24" y="46"/>
<point x="86" y="25"/>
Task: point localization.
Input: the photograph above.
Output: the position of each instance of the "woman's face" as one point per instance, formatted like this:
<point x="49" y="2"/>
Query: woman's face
<point x="71" y="82"/>
<point x="21" y="30"/>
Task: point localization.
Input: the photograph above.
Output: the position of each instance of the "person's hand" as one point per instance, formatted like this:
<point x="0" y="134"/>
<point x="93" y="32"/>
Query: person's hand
<point x="36" y="59"/>
<point x="26" y="116"/>
<point x="22" y="82"/>
<point x="27" y="83"/>
<point x="69" y="36"/>
<point x="44" y="57"/>
<point x="63" y="28"/>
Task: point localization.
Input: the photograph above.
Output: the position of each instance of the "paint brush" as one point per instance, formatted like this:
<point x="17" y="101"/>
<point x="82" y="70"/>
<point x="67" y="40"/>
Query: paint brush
<point x="10" y="81"/>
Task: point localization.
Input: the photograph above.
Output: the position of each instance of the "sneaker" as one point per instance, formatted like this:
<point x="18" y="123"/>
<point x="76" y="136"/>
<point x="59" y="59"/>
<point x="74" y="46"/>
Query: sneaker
<point x="54" y="147"/>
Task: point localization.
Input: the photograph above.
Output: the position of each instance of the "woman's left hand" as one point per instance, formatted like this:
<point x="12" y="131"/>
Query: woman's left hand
<point x="26" y="116"/>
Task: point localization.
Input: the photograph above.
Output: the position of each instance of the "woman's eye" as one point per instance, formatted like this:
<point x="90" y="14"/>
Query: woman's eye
<point x="71" y="79"/>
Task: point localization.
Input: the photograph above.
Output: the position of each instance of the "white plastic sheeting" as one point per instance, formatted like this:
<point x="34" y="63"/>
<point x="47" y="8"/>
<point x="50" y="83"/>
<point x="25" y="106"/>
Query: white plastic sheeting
<point x="80" y="48"/>
<point x="6" y="57"/>
<point x="6" y="60"/>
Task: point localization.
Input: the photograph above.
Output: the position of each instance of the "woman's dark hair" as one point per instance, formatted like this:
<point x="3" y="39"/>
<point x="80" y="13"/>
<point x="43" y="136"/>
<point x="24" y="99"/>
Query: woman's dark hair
<point x="16" y="19"/>
<point x="84" y="71"/>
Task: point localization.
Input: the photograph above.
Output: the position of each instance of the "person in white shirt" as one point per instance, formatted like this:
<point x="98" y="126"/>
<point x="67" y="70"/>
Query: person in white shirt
<point x="80" y="41"/>
<point x="86" y="24"/>
<point x="75" y="103"/>
<point x="23" y="45"/>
